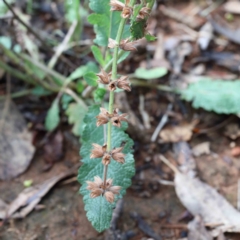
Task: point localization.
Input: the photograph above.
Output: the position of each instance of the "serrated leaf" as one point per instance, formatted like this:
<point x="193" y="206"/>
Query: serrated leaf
<point x="76" y="114"/>
<point x="99" y="211"/>
<point x="99" y="94"/>
<point x="137" y="29"/>
<point x="214" y="95"/>
<point x="91" y="79"/>
<point x="150" y="73"/>
<point x="98" y="55"/>
<point x="52" y="118"/>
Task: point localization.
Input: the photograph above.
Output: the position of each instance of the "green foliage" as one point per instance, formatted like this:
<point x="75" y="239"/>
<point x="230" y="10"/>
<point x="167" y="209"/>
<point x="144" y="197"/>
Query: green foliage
<point x="150" y="37"/>
<point x="138" y="29"/>
<point x="52" y="119"/>
<point x="72" y="10"/>
<point x="99" y="211"/>
<point x="98" y="55"/>
<point x="76" y="114"/>
<point x="105" y="22"/>
<point x="91" y="79"/>
<point x="214" y="95"/>
<point x="99" y="94"/>
<point x="149" y="74"/>
<point x="40" y="91"/>
<point x="82" y="70"/>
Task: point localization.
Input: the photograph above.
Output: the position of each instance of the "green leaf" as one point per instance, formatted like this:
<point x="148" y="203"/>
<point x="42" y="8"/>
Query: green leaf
<point x="150" y="37"/>
<point x="99" y="211"/>
<point x="72" y="10"/>
<point x="40" y="91"/>
<point x="52" y="119"/>
<point x="99" y="94"/>
<point x="6" y="41"/>
<point x="91" y="79"/>
<point x="65" y="100"/>
<point x="98" y="55"/>
<point x="214" y="95"/>
<point x="76" y="114"/>
<point x="150" y="73"/>
<point x="137" y="29"/>
<point x="82" y="70"/>
<point x="104" y="23"/>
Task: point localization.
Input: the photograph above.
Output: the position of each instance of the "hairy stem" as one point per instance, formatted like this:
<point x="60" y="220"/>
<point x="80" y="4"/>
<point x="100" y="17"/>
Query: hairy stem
<point x="111" y="96"/>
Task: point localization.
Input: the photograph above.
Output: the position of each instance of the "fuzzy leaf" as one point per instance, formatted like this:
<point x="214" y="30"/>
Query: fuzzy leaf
<point x="150" y="73"/>
<point x="138" y="29"/>
<point x="52" y="119"/>
<point x="91" y="79"/>
<point x="102" y="21"/>
<point x="99" y="94"/>
<point x="99" y="211"/>
<point x="98" y="55"/>
<point x="76" y="114"/>
<point x="214" y="95"/>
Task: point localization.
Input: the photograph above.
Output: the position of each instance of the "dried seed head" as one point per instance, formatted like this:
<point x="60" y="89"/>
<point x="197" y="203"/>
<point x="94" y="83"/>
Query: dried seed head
<point x="112" y="43"/>
<point x="106" y="159"/>
<point x="127" y="12"/>
<point x="117" y="119"/>
<point x="117" y="155"/>
<point x="126" y="45"/>
<point x="112" y="85"/>
<point x="123" y="83"/>
<point x="104" y="78"/>
<point x="95" y="187"/>
<point x="144" y="12"/>
<point x="98" y="151"/>
<point x="109" y="196"/>
<point x="103" y="117"/>
<point x="116" y="5"/>
<point x="114" y="189"/>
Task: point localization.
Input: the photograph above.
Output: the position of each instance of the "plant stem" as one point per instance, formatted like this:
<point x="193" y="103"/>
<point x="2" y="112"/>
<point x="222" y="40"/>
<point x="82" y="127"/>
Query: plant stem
<point x="111" y="96"/>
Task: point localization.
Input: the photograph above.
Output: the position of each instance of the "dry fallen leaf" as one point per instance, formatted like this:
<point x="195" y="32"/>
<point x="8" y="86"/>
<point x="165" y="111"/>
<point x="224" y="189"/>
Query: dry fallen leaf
<point x="16" y="149"/>
<point x="3" y="209"/>
<point x="201" y="199"/>
<point x="179" y="133"/>
<point x="235" y="151"/>
<point x="232" y="7"/>
<point x="205" y="35"/>
<point x="197" y="230"/>
<point x="28" y="199"/>
<point x="201" y="148"/>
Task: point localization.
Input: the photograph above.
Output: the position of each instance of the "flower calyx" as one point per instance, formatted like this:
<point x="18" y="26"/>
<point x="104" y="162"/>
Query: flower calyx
<point x="126" y="10"/>
<point x="144" y="12"/>
<point x="103" y="117"/>
<point x="125" y="44"/>
<point x="115" y="118"/>
<point x="118" y="118"/>
<point x="99" y="151"/>
<point x="98" y="188"/>
<point x="121" y="83"/>
<point x="104" y="77"/>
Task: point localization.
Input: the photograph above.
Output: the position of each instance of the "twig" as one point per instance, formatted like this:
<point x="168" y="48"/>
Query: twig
<point x="165" y="182"/>
<point x="6" y="104"/>
<point x="164" y="88"/>
<point x="61" y="48"/>
<point x="238" y="196"/>
<point x="145" y="116"/>
<point x="26" y="26"/>
<point x="168" y="163"/>
<point x="161" y="124"/>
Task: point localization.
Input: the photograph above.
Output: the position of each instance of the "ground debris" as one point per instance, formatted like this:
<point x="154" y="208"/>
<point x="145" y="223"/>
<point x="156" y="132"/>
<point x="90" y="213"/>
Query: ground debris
<point x="29" y="198"/>
<point x="16" y="149"/>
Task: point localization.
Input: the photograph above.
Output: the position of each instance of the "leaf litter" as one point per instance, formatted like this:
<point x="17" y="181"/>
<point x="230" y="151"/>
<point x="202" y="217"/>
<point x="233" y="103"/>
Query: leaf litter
<point x="201" y="199"/>
<point x="29" y="198"/>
